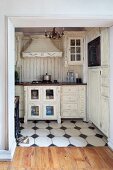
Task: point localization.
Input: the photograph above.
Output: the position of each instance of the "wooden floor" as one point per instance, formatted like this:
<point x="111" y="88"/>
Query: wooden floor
<point x="54" y="158"/>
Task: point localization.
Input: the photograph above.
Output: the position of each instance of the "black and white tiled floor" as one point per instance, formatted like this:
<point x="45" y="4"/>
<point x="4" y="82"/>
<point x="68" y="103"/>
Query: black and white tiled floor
<point x="68" y="133"/>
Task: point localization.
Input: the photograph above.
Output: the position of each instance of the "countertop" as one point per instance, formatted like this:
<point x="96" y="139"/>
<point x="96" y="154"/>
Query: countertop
<point x="48" y="84"/>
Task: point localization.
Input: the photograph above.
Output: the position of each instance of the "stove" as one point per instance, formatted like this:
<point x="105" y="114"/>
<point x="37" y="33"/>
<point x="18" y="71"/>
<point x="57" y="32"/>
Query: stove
<point x="44" y="82"/>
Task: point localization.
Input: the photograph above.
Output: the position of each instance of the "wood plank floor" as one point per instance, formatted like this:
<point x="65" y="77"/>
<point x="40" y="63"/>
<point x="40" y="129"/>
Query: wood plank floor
<point x="54" y="158"/>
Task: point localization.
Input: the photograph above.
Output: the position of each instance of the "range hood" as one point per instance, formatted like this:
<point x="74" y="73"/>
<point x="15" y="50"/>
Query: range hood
<point x="42" y="47"/>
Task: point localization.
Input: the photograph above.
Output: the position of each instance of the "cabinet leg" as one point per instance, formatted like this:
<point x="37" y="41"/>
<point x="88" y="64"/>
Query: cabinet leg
<point x="59" y="120"/>
<point x="25" y="119"/>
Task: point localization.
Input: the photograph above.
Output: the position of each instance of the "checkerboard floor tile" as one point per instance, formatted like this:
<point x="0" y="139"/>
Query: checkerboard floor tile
<point x="69" y="133"/>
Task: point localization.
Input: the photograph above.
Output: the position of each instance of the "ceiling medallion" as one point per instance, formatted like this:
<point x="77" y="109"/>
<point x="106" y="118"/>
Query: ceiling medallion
<point x="54" y="34"/>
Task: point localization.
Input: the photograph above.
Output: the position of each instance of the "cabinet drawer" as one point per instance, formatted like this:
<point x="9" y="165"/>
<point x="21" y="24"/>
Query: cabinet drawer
<point x="69" y="106"/>
<point x="69" y="89"/>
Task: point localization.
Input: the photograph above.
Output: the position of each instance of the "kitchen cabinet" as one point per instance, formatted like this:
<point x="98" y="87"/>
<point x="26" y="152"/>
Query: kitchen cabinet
<point x="94" y="84"/>
<point x="98" y="98"/>
<point x="42" y="102"/>
<point x="75" y="51"/>
<point x="74" y="48"/>
<point x="73" y="101"/>
<point x="19" y="91"/>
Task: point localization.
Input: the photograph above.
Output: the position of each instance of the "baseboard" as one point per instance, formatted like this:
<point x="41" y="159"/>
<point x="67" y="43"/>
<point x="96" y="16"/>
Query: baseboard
<point x="110" y="143"/>
<point x="7" y="155"/>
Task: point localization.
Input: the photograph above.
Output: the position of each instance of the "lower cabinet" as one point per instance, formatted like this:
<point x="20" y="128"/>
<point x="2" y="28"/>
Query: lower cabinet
<point x="104" y="118"/>
<point x="98" y="98"/>
<point x="42" y="102"/>
<point x="73" y="101"/>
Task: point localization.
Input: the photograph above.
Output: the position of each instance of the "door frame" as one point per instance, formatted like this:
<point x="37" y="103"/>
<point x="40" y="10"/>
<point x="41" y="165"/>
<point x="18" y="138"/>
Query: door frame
<point x="42" y="21"/>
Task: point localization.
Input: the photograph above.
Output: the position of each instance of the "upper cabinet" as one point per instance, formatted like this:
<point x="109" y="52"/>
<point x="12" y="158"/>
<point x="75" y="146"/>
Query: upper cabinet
<point x="75" y="52"/>
<point x="74" y="48"/>
<point x="105" y="47"/>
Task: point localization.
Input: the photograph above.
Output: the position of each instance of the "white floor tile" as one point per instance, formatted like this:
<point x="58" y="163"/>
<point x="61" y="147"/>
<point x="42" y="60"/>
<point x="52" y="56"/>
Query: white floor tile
<point x="43" y="141"/>
<point x="88" y="132"/>
<point x="41" y="124"/>
<point x="81" y="124"/>
<point x="95" y="141"/>
<point x="78" y="141"/>
<point x="57" y="132"/>
<point x="68" y="124"/>
<point x="42" y="132"/>
<point x="27" y="132"/>
<point x="28" y="124"/>
<point x="60" y="141"/>
<point x="72" y="132"/>
<point x="55" y="125"/>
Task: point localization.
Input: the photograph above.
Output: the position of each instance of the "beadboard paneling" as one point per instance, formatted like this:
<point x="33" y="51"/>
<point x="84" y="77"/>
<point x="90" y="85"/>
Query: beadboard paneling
<point x="34" y="68"/>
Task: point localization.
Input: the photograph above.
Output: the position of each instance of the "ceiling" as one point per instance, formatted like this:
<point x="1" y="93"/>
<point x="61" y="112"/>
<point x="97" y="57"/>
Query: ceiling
<point x="41" y="30"/>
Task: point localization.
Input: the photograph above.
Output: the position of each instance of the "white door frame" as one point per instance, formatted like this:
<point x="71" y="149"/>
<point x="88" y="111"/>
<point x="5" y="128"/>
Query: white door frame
<point x="41" y="21"/>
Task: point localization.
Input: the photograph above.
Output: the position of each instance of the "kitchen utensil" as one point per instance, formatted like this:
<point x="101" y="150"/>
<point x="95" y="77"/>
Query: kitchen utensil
<point x="46" y="77"/>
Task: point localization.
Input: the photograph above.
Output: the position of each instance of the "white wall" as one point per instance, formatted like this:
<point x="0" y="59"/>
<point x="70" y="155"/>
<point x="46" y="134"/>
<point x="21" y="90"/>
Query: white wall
<point x="74" y="8"/>
<point x="80" y="8"/>
<point x="110" y="142"/>
<point x="3" y="106"/>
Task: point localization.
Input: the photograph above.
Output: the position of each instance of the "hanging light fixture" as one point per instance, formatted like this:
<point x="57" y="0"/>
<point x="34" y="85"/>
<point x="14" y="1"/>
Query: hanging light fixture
<point x="54" y="34"/>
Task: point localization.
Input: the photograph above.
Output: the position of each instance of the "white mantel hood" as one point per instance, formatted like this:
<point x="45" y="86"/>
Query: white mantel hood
<point x="42" y="47"/>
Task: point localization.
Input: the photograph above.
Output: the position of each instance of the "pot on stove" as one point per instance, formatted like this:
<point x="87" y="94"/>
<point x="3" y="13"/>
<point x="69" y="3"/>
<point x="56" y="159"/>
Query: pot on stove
<point x="46" y="77"/>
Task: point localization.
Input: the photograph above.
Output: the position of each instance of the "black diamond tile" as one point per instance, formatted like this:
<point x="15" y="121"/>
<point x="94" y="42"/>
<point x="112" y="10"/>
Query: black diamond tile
<point x="76" y="127"/>
<point x="35" y="128"/>
<point x="34" y="145"/>
<point x="49" y="128"/>
<point x="85" y="121"/>
<point x="63" y="128"/>
<point x="67" y="136"/>
<point x="21" y="120"/>
<point x="90" y="127"/>
<point x="52" y="145"/>
<point x="70" y="145"/>
<point x="99" y="136"/>
<point x="34" y="136"/>
<point x="50" y="136"/>
<point x="21" y="128"/>
<point x="72" y="121"/>
<point x="83" y="136"/>
<point x="20" y="135"/>
<point x="89" y="145"/>
<point x="35" y="121"/>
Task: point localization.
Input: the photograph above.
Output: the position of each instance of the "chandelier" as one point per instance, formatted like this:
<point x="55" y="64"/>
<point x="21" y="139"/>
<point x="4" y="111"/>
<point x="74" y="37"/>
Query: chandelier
<point x="54" y="34"/>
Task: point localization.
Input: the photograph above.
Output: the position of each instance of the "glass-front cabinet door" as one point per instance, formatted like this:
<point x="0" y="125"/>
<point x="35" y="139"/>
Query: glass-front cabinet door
<point x="75" y="51"/>
<point x="34" y="111"/>
<point x="49" y="111"/>
<point x="34" y="93"/>
<point x="49" y="93"/>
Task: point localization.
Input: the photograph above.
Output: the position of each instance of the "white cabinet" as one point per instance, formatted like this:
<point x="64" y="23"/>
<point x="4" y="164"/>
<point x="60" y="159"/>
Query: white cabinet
<point x="73" y="101"/>
<point x="94" y="84"/>
<point x="75" y="51"/>
<point x="105" y="47"/>
<point x="42" y="102"/>
<point x="74" y="47"/>
<point x="19" y="91"/>
<point x="98" y="98"/>
<point x="104" y="118"/>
